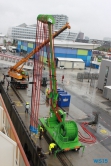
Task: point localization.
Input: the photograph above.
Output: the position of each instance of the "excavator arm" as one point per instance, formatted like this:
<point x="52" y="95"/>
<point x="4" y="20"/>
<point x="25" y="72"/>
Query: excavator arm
<point x="15" y="71"/>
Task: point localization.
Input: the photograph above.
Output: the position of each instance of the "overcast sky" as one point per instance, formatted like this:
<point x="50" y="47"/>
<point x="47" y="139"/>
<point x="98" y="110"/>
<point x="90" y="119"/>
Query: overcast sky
<point x="93" y="17"/>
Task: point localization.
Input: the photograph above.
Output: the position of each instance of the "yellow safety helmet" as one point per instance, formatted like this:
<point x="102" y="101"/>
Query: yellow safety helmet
<point x="27" y="103"/>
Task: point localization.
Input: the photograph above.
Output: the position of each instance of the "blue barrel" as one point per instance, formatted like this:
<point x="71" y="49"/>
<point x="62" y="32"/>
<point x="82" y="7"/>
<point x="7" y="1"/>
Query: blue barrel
<point x="60" y="92"/>
<point x="64" y="100"/>
<point x="58" y="89"/>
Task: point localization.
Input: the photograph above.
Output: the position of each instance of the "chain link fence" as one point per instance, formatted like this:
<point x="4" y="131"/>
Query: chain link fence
<point x="80" y="77"/>
<point x="94" y="80"/>
<point x="87" y="75"/>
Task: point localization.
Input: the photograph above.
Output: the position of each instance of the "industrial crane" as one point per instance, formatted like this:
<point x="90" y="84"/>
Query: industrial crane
<point x="16" y="72"/>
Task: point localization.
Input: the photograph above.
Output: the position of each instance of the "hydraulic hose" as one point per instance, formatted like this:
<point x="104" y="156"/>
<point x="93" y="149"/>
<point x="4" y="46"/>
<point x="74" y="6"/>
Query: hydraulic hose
<point x="90" y="139"/>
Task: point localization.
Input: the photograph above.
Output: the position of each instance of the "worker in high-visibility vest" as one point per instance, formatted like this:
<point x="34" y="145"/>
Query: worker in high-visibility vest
<point x="47" y="94"/>
<point x="47" y="91"/>
<point x="52" y="147"/>
<point x="27" y="107"/>
<point x="41" y="132"/>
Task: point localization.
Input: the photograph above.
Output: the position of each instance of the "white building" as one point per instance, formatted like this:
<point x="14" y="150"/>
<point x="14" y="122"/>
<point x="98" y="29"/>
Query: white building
<point x="22" y="31"/>
<point x="60" y="21"/>
<point x="104" y="74"/>
<point x="70" y="63"/>
<point x="29" y="31"/>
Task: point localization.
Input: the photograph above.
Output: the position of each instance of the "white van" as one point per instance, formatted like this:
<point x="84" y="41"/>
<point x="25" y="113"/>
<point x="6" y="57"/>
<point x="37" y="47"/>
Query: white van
<point x="12" y="48"/>
<point x="3" y="49"/>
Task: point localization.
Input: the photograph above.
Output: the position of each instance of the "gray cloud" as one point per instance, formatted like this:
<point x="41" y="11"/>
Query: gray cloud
<point x="93" y="17"/>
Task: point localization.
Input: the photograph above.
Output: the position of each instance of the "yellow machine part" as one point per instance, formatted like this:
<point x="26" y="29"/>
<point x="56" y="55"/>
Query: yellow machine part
<point x="15" y="75"/>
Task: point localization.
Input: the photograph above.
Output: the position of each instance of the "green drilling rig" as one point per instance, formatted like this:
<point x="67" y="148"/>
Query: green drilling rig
<point x="61" y="131"/>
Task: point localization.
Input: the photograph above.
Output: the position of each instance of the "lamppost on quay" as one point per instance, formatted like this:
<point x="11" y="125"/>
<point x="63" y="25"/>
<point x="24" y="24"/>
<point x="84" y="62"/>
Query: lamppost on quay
<point x="91" y="61"/>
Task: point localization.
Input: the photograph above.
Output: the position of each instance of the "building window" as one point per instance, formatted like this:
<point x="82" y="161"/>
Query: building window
<point x="107" y="70"/>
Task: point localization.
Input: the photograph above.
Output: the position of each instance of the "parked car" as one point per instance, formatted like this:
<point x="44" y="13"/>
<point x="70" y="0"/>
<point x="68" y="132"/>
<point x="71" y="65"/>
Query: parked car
<point x="3" y="49"/>
<point x="12" y="49"/>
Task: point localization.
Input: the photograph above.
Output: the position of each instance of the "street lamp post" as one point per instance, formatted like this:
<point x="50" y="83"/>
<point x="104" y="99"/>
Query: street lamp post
<point x="90" y="69"/>
<point x="91" y="62"/>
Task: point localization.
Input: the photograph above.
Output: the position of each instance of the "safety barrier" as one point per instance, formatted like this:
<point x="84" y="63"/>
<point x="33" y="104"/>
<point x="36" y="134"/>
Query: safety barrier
<point x="12" y="60"/>
<point x="87" y="75"/>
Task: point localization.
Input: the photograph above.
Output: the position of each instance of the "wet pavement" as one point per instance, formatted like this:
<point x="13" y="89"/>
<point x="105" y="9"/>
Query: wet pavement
<point x="84" y="100"/>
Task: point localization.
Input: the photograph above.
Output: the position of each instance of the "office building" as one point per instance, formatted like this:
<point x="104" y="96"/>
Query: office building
<point x="22" y="31"/>
<point x="29" y="31"/>
<point x="80" y="35"/>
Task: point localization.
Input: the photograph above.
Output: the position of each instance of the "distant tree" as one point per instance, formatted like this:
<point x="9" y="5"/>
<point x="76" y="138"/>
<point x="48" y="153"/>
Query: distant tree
<point x="4" y="42"/>
<point x="13" y="42"/>
<point x="102" y="48"/>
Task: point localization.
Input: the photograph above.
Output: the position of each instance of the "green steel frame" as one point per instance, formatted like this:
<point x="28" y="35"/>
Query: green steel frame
<point x="63" y="133"/>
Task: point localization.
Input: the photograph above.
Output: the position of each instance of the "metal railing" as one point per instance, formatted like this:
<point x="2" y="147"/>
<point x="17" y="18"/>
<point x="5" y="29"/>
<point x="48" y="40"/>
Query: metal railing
<point x="87" y="75"/>
<point x="12" y="60"/>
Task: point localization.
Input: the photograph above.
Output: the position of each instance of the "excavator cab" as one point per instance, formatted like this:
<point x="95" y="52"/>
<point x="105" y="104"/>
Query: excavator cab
<point x="23" y="83"/>
<point x="24" y="72"/>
